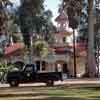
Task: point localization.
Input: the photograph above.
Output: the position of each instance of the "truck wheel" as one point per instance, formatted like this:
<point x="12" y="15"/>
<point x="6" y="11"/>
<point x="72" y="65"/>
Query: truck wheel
<point x="50" y="83"/>
<point x="13" y="83"/>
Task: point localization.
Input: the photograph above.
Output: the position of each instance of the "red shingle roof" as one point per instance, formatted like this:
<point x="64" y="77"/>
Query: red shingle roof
<point x="80" y="49"/>
<point x="13" y="48"/>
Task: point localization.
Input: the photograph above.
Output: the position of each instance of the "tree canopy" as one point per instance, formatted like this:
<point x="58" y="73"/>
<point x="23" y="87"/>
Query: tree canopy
<point x="41" y="48"/>
<point x="73" y="9"/>
<point x="28" y="12"/>
<point x="34" y="19"/>
<point x="4" y="14"/>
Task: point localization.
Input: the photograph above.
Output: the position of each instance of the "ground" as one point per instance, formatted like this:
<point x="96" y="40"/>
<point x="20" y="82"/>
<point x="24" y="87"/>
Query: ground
<point x="50" y="93"/>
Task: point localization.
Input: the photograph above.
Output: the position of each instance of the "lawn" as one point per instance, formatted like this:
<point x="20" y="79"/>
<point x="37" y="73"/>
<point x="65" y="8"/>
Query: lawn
<point x="62" y="93"/>
<point x="56" y="93"/>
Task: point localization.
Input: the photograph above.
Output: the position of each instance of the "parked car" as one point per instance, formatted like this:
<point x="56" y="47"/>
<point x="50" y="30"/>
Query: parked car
<point x="29" y="74"/>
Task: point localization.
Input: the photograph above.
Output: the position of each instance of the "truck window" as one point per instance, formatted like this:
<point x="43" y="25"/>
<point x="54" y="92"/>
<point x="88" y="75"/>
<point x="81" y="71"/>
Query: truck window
<point x="43" y="65"/>
<point x="30" y="68"/>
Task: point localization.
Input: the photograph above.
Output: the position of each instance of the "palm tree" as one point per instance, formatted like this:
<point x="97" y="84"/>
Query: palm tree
<point x="73" y="10"/>
<point x="41" y="50"/>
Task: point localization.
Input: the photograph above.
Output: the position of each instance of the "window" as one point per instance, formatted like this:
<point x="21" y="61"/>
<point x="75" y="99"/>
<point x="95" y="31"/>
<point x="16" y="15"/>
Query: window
<point x="64" y="39"/>
<point x="38" y="65"/>
<point x="43" y="65"/>
<point x="30" y="68"/>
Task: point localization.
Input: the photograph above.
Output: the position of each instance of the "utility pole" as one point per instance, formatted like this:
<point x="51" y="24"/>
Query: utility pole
<point x="74" y="52"/>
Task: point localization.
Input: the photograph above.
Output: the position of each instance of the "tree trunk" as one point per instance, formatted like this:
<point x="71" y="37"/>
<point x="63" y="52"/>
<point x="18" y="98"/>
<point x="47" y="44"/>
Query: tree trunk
<point x="40" y="64"/>
<point x="31" y="50"/>
<point x="91" y="51"/>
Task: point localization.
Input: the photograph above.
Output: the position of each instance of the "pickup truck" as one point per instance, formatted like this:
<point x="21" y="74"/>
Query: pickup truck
<point x="29" y="74"/>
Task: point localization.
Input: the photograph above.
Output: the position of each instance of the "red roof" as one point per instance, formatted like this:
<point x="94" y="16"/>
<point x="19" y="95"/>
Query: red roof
<point x="13" y="48"/>
<point x="61" y="17"/>
<point x="80" y="49"/>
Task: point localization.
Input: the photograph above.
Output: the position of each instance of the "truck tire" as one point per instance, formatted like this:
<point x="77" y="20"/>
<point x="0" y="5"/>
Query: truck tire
<point x="14" y="83"/>
<point x="50" y="83"/>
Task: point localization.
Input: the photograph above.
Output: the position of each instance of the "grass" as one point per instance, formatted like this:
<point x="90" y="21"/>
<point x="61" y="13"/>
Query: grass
<point x="72" y="93"/>
<point x="58" y="93"/>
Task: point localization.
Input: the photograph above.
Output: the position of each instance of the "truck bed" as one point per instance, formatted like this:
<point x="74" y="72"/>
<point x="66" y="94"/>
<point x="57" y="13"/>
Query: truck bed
<point x="45" y="76"/>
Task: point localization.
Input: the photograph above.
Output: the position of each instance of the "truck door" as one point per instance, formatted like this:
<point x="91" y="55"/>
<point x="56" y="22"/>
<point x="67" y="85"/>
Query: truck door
<point x="29" y="72"/>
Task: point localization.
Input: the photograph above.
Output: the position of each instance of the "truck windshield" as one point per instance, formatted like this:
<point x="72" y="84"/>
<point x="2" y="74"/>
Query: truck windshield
<point x="30" y="68"/>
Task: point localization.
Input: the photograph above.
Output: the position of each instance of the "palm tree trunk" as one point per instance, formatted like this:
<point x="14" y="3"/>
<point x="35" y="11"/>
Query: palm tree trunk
<point x="91" y="56"/>
<point x="40" y="64"/>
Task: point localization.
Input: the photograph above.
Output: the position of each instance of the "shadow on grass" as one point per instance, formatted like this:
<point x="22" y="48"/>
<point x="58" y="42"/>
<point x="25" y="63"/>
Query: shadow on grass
<point x="91" y="88"/>
<point x="95" y="88"/>
<point x="95" y="97"/>
<point x="22" y="95"/>
<point x="59" y="98"/>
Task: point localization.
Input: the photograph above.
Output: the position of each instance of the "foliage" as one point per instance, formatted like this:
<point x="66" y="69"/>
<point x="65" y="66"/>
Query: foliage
<point x="7" y="19"/>
<point x="19" y="65"/>
<point x="84" y="21"/>
<point x="48" y="27"/>
<point x="34" y="19"/>
<point x="4" y="14"/>
<point x="29" y="17"/>
<point x="73" y="9"/>
<point x="41" y="48"/>
<point x="17" y="37"/>
<point x="82" y="11"/>
<point x="6" y="67"/>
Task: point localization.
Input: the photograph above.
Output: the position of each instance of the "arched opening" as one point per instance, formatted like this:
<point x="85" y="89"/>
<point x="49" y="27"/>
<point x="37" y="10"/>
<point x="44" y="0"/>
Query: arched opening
<point x="41" y="65"/>
<point x="61" y="66"/>
<point x="38" y="65"/>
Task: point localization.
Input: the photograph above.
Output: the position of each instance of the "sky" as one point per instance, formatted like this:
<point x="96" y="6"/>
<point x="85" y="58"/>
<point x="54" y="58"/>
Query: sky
<point x="16" y="2"/>
<point x="52" y="5"/>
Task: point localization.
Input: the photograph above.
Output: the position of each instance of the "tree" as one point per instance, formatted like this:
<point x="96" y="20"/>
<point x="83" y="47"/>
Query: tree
<point x="34" y="19"/>
<point x="73" y="8"/>
<point x="29" y="11"/>
<point x="83" y="31"/>
<point x="4" y="14"/>
<point x="84" y="28"/>
<point x="4" y="17"/>
<point x="48" y="27"/>
<point x="41" y="49"/>
<point x="91" y="51"/>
